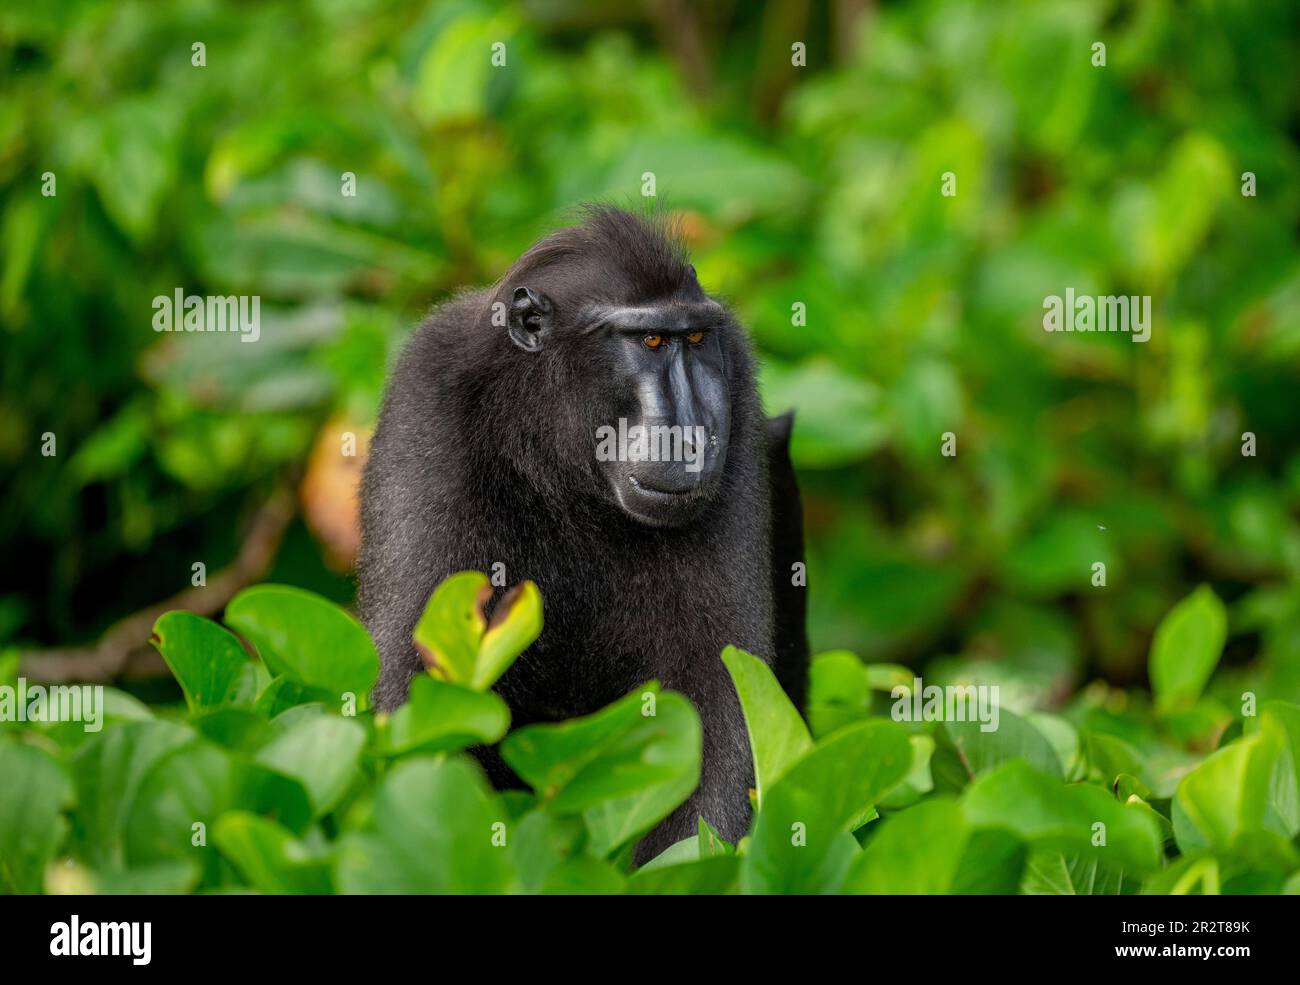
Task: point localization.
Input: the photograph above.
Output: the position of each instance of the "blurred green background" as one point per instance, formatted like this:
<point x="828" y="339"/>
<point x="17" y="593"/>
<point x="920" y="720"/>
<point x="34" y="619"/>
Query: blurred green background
<point x="816" y="185"/>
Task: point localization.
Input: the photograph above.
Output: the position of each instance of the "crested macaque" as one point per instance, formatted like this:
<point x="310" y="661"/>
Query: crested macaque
<point x="499" y="440"/>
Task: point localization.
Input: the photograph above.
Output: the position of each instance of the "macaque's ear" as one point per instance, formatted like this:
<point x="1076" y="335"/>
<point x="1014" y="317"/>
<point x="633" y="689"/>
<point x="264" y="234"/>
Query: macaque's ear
<point x="530" y="319"/>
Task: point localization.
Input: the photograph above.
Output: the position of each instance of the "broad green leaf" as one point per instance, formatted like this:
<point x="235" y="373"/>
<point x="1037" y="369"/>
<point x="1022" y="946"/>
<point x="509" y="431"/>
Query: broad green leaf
<point x="1284" y="788"/>
<point x="1063" y="737"/>
<point x="180" y="796"/>
<point x="1111" y="756"/>
<point x="238" y="729"/>
<point x="1041" y="809"/>
<point x="1224" y="803"/>
<point x="274" y="795"/>
<point x="1052" y="873"/>
<point x="839" y="691"/>
<point x="623" y="768"/>
<point x="442" y="717"/>
<point x="36" y="791"/>
<point x="619" y="751"/>
<point x="706" y="876"/>
<point x="917" y="852"/>
<point x="993" y="862"/>
<point x="516" y="623"/>
<point x="433" y="830"/>
<point x="283" y="693"/>
<point x="207" y="661"/>
<point x="584" y="875"/>
<point x="686" y="850"/>
<point x="842" y="686"/>
<point x="777" y="735"/>
<point x="321" y="753"/>
<point x="177" y="802"/>
<point x="268" y="856"/>
<point x="613" y="823"/>
<point x="794" y="844"/>
<point x="918" y="781"/>
<point x="308" y="639"/>
<point x="451" y="627"/>
<point x="1186" y="648"/>
<point x="964" y="750"/>
<point x="458" y="643"/>
<point x="86" y="711"/>
<point x="539" y="842"/>
<point x="1191" y="875"/>
<point x="108" y="771"/>
<point x="170" y="878"/>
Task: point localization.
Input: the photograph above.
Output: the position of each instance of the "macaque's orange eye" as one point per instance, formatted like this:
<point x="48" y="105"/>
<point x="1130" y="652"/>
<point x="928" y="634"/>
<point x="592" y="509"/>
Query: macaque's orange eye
<point x="695" y="338"/>
<point x="653" y="341"/>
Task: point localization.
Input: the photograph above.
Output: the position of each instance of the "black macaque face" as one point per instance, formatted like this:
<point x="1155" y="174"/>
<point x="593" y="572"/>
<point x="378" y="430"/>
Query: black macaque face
<point x="662" y="397"/>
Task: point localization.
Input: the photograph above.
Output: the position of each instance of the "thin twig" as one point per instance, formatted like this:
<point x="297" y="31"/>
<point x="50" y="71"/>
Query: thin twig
<point x="125" y="646"/>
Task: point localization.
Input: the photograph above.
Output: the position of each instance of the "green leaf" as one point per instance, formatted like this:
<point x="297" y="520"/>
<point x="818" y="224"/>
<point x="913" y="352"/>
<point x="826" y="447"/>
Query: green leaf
<point x="160" y="879"/>
<point x="1052" y="873"/>
<point x="706" y="876"/>
<point x="238" y="729"/>
<point x="308" y="639"/>
<point x="451" y="627"/>
<point x="108" y="770"/>
<point x="540" y="842"/>
<point x="621" y="750"/>
<point x="1190" y="875"/>
<point x="793" y="847"/>
<point x="322" y="753"/>
<point x="207" y="661"/>
<point x="457" y="642"/>
<point x="32" y="826"/>
<point x="268" y="856"/>
<point x="1284" y="788"/>
<point x="443" y="717"/>
<point x="993" y="862"/>
<point x="516" y="623"/>
<point x="964" y="750"/>
<point x="1226" y="803"/>
<point x="182" y="793"/>
<point x="839" y="691"/>
<point x="1186" y="648"/>
<point x="584" y="875"/>
<point x="274" y="795"/>
<point x="686" y="850"/>
<point x="777" y="735"/>
<point x="918" y="781"/>
<point x="432" y="831"/>
<point x="916" y="851"/>
<point x="711" y="843"/>
<point x="284" y="693"/>
<point x="1047" y="813"/>
<point x="611" y="824"/>
<point x="623" y="768"/>
<point x="177" y="801"/>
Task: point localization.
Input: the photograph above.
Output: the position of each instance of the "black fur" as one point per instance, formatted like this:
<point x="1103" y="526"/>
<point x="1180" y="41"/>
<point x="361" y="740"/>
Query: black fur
<point x="484" y="453"/>
<point x="790" y="630"/>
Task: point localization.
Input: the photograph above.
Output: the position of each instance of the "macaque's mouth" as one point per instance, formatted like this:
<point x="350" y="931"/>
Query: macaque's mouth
<point x="650" y="489"/>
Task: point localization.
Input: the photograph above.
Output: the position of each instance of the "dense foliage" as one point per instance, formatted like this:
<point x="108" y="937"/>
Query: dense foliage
<point x="816" y="186"/>
<point x="272" y="779"/>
